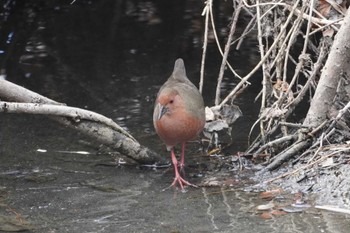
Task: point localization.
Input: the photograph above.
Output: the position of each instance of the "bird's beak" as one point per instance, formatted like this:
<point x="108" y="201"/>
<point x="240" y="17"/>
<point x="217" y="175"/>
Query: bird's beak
<point x="161" y="111"/>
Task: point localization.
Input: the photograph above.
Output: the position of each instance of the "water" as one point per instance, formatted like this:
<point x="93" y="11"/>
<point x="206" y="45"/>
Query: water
<point x="111" y="57"/>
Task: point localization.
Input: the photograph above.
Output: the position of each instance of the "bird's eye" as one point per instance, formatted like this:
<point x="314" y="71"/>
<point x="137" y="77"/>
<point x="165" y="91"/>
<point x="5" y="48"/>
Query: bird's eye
<point x="171" y="101"/>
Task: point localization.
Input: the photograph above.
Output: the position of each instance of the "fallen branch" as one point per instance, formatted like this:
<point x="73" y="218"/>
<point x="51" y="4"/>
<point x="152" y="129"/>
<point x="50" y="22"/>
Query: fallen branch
<point x="275" y="143"/>
<point x="91" y="124"/>
<point x="76" y="114"/>
<point x="287" y="154"/>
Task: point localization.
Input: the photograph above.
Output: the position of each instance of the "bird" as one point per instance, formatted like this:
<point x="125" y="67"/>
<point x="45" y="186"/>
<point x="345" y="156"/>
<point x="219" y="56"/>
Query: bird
<point x="178" y="116"/>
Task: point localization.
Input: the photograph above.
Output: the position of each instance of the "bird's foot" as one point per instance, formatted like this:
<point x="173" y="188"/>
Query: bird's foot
<point x="182" y="182"/>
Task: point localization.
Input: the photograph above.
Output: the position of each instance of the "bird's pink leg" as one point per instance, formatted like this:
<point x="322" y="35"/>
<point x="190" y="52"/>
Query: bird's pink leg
<point x="178" y="179"/>
<point x="182" y="160"/>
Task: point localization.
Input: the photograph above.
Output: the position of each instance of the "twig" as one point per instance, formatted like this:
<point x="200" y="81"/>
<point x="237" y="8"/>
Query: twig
<point x="322" y="21"/>
<point x="294" y="125"/>
<point x="254" y="145"/>
<point x="264" y="71"/>
<point x="293" y="33"/>
<point x="320" y="28"/>
<point x="218" y="43"/>
<point x="342" y="112"/>
<point x="267" y="54"/>
<point x="302" y="168"/>
<point x="316" y="68"/>
<point x="336" y="7"/>
<point x="205" y="43"/>
<point x="318" y="149"/>
<point x="318" y="128"/>
<point x="252" y="128"/>
<point x="246" y="31"/>
<point x="313" y="146"/>
<point x="276" y="142"/>
<point x="302" y="58"/>
<point x="226" y="51"/>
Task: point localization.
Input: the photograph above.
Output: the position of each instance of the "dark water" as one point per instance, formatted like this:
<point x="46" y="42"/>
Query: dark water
<point x="111" y="57"/>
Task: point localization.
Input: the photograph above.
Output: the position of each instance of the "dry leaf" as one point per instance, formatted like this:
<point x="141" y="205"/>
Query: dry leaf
<point x="324" y="8"/>
<point x="278" y="212"/>
<point x="328" y="32"/>
<point x="270" y="194"/>
<point x="266" y="215"/>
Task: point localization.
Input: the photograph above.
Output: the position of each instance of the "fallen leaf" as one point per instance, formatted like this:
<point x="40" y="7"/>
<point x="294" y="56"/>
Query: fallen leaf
<point x="266" y="215"/>
<point x="328" y="32"/>
<point x="270" y="194"/>
<point x="324" y="8"/>
<point x="278" y="212"/>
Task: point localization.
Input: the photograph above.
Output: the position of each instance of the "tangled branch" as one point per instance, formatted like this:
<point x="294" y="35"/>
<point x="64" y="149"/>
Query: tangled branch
<point x="291" y="59"/>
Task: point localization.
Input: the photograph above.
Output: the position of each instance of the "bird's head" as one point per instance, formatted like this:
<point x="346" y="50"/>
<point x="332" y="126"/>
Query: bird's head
<point x="167" y="103"/>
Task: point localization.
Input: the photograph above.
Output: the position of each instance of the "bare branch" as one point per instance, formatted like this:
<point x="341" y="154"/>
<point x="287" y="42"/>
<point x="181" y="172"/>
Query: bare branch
<point x="77" y="114"/>
<point x="227" y="50"/>
<point x="86" y="122"/>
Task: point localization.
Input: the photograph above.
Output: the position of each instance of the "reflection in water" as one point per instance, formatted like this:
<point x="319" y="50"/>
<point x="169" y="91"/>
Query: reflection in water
<point x="211" y="216"/>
